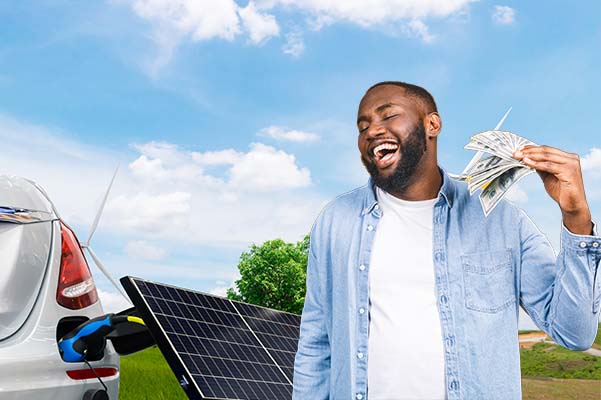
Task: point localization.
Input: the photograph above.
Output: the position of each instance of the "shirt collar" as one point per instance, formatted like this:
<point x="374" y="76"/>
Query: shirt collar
<point x="447" y="192"/>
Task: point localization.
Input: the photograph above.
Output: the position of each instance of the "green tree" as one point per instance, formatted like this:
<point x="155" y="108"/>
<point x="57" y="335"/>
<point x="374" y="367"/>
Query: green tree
<point x="273" y="275"/>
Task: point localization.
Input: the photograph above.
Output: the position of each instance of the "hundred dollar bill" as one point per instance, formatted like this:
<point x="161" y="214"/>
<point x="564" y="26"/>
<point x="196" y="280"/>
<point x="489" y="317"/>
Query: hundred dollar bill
<point x="493" y="193"/>
<point x="497" y="172"/>
<point x="479" y="154"/>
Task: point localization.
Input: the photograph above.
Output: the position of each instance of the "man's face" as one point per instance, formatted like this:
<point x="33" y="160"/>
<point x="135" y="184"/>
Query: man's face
<point x="391" y="138"/>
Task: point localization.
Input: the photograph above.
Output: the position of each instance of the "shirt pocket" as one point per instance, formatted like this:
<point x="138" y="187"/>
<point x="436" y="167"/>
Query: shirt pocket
<point x="488" y="280"/>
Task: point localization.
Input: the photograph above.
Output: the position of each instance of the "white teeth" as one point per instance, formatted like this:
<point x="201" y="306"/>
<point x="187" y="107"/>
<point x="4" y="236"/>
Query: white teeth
<point x="384" y="146"/>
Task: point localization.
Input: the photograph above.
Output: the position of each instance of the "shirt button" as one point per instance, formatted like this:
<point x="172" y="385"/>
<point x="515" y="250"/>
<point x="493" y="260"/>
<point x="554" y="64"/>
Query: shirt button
<point x="443" y="299"/>
<point x="453" y="385"/>
<point x="361" y="267"/>
<point x="359" y="396"/>
<point x="582" y="244"/>
<point x="362" y="310"/>
<point x="595" y="244"/>
<point x="370" y="228"/>
<point x="359" y="355"/>
<point x="376" y="206"/>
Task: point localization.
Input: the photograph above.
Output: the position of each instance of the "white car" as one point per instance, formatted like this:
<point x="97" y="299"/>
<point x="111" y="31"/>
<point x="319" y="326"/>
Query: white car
<point x="46" y="290"/>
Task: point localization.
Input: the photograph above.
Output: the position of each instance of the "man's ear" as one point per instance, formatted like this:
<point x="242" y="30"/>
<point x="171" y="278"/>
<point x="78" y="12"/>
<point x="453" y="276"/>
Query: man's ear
<point x="433" y="125"/>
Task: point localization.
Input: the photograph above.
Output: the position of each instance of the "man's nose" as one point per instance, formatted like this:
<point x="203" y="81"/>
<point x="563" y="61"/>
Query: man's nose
<point x="375" y="130"/>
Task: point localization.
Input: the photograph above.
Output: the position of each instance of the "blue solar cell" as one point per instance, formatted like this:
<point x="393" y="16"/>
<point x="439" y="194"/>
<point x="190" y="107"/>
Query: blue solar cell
<point x="218" y="348"/>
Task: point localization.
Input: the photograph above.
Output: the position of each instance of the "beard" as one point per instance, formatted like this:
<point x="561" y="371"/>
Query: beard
<point x="411" y="152"/>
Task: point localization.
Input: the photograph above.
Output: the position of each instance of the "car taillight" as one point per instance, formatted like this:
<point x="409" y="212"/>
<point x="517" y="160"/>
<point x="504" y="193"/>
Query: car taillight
<point x="76" y="287"/>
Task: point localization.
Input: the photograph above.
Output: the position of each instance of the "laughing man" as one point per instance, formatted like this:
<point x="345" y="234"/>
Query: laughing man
<point x="412" y="293"/>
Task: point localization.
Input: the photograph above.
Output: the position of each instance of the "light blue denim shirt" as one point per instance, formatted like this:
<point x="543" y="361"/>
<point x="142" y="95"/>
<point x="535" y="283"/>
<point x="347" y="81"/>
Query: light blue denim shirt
<point x="485" y="267"/>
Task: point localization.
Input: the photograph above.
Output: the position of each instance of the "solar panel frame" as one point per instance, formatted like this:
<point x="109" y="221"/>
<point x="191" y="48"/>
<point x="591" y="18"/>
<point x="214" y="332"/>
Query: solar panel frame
<point x="275" y="332"/>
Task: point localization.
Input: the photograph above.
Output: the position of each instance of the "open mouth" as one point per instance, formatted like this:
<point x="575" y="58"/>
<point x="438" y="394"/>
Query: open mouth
<point x="385" y="154"/>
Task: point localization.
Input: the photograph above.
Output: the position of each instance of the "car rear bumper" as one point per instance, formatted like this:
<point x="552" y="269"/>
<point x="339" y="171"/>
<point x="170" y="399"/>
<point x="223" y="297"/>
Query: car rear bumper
<point x="56" y="387"/>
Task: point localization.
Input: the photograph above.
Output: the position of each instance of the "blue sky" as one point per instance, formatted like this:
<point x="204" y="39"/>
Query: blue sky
<point x="233" y="122"/>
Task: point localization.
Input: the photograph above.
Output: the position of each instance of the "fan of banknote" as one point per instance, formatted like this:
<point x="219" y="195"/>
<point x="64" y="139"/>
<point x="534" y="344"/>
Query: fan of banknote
<point x="493" y="169"/>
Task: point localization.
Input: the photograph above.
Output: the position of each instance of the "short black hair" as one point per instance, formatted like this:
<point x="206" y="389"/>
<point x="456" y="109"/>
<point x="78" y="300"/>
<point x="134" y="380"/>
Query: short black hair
<point x="422" y="95"/>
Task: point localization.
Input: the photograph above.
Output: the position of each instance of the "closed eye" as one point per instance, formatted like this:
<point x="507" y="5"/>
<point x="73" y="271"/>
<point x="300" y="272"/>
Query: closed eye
<point x="387" y="117"/>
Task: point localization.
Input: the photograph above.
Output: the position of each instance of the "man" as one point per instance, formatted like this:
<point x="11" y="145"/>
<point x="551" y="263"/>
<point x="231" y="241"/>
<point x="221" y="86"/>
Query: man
<point x="412" y="293"/>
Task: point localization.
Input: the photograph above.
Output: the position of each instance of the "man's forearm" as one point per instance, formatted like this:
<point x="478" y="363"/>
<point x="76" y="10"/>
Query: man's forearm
<point x="561" y="294"/>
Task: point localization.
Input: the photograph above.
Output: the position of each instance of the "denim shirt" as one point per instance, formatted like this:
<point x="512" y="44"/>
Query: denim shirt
<point x="485" y="268"/>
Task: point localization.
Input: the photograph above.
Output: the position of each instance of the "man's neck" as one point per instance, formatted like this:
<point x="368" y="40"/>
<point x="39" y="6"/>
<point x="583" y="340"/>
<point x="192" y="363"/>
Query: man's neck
<point x="422" y="186"/>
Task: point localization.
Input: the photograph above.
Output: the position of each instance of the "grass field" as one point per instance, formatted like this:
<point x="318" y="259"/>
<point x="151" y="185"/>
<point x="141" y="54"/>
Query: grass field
<point x="146" y="375"/>
<point x="550" y="360"/>
<point x="560" y="389"/>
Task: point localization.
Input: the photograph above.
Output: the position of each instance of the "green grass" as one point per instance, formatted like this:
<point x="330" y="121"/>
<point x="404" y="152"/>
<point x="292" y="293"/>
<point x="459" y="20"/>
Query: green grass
<point x="598" y="337"/>
<point x="560" y="389"/>
<point x="550" y="360"/>
<point x="146" y="375"/>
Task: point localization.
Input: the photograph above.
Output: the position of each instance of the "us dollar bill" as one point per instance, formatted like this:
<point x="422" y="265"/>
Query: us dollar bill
<point x="493" y="193"/>
<point x="496" y="173"/>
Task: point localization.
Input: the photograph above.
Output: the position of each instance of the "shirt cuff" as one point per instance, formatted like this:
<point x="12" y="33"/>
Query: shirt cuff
<point x="581" y="242"/>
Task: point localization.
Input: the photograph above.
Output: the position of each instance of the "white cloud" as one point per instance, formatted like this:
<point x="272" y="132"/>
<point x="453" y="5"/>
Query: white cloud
<point x="260" y="26"/>
<point x="112" y="302"/>
<point x="222" y="199"/>
<point x="250" y="203"/>
<point x="282" y="133"/>
<point x="266" y="168"/>
<point x="161" y="161"/>
<point x="419" y="29"/>
<point x="164" y="212"/>
<point x="142" y="250"/>
<point x="503" y="15"/>
<point x="163" y="150"/>
<point x="176" y="21"/>
<point x="408" y="14"/>
<point x="375" y="12"/>
<point x="219" y="157"/>
<point x="196" y="19"/>
<point x="197" y="226"/>
<point x="591" y="162"/>
<point x="294" y="46"/>
<point x="223" y="286"/>
<point x="262" y="168"/>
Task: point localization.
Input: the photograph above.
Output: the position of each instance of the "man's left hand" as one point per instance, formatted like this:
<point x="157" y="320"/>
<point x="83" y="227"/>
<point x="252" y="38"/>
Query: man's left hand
<point x="562" y="177"/>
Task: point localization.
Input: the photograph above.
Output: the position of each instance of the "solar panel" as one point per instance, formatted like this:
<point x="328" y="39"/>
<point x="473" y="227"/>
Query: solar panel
<point x="219" y="348"/>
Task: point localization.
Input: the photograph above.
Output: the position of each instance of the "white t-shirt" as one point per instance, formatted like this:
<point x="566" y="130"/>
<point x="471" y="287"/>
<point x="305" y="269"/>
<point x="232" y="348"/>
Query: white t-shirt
<point x="405" y="354"/>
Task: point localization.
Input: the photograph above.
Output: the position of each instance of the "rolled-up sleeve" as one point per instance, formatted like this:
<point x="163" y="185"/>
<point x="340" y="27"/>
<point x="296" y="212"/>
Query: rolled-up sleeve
<point x="312" y="362"/>
<point x="561" y="293"/>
